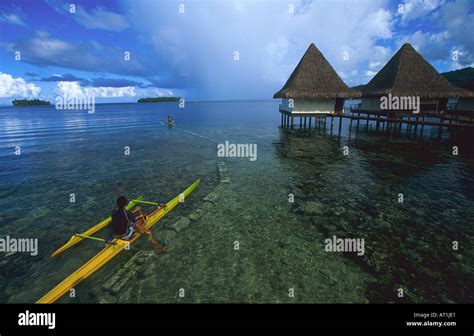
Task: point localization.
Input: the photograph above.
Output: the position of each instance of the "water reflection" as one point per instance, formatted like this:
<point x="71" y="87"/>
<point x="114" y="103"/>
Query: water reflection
<point x="407" y="199"/>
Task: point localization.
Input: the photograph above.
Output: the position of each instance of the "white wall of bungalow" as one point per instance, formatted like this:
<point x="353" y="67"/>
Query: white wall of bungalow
<point x="308" y="106"/>
<point x="373" y="104"/>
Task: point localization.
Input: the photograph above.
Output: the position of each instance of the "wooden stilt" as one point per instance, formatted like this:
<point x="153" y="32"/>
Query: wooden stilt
<point x="309" y="122"/>
<point x="408" y="126"/>
<point x="340" y="123"/>
<point x="422" y="125"/>
<point x="416" y="125"/>
<point x="292" y="122"/>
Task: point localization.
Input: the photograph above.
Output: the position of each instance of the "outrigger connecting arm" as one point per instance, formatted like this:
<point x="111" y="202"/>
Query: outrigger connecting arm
<point x="151" y="203"/>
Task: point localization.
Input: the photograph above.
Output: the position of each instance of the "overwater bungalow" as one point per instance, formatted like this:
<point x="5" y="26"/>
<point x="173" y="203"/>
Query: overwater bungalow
<point x="314" y="89"/>
<point x="408" y="75"/>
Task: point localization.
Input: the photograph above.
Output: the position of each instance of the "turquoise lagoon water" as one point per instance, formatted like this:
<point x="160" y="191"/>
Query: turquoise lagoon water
<point x="281" y="244"/>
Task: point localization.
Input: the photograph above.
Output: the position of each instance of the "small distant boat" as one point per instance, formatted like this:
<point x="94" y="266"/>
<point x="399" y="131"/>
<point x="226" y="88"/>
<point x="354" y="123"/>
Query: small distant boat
<point x="170" y="121"/>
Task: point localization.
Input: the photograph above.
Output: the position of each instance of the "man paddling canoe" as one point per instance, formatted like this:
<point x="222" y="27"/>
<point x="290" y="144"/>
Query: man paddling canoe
<point x="123" y="221"/>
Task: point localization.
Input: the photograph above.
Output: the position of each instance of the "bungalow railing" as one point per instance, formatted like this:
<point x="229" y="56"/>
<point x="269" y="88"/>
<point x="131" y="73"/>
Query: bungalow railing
<point x="354" y="107"/>
<point x="452" y="106"/>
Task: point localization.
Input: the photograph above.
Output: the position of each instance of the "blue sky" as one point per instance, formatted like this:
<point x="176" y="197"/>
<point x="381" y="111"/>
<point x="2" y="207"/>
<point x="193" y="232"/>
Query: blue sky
<point x="213" y="49"/>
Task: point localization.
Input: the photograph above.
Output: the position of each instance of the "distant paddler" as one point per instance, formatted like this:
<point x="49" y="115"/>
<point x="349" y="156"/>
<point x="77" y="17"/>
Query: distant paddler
<point x="170" y="121"/>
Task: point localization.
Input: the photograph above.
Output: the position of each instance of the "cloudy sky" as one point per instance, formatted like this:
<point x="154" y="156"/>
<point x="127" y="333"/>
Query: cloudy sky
<point x="214" y="49"/>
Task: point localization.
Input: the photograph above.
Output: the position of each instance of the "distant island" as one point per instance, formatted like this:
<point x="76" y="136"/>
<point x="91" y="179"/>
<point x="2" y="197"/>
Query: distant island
<point x="463" y="78"/>
<point x="158" y="99"/>
<point x="358" y="87"/>
<point x="30" y="102"/>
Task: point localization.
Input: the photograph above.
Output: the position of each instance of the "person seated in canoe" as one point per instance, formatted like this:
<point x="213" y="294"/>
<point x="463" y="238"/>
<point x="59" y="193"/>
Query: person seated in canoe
<point x="170" y="121"/>
<point x="123" y="221"/>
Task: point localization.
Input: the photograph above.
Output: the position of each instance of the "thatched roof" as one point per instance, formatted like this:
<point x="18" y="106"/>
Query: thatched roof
<point x="313" y="78"/>
<point x="409" y="74"/>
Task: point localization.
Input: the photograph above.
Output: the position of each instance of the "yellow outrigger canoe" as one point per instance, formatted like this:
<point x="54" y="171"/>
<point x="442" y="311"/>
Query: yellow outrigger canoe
<point x="78" y="238"/>
<point x="111" y="250"/>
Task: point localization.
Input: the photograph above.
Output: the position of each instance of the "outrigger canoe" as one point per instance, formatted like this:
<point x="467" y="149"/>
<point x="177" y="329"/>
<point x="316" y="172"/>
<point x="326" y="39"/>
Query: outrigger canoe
<point x="111" y="250"/>
<point x="78" y="238"/>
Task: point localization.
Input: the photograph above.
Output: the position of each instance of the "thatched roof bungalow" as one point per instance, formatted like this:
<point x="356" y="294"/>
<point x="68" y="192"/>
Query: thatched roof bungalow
<point x="407" y="73"/>
<point x="314" y="87"/>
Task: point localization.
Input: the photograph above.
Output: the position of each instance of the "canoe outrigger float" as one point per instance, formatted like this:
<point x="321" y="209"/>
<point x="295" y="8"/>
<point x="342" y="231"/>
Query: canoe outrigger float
<point x="112" y="249"/>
